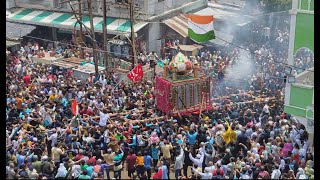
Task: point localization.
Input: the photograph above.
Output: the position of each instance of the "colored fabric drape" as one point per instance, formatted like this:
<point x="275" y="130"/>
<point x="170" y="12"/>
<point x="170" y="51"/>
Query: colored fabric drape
<point x="163" y="94"/>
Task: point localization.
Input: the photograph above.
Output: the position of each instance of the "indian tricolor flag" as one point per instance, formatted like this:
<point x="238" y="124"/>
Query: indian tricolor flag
<point x="200" y="28"/>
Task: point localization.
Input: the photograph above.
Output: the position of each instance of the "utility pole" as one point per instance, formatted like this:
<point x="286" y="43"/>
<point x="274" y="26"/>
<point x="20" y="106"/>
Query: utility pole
<point x="93" y="38"/>
<point x="81" y="31"/>
<point x="104" y="31"/>
<point x="134" y="58"/>
<point x="80" y="18"/>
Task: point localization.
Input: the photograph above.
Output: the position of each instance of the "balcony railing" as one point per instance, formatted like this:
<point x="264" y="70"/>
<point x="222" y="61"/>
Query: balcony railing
<point x="306" y="5"/>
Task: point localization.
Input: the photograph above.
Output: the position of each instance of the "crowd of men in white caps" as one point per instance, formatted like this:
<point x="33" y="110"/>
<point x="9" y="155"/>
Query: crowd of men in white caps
<point x="120" y="134"/>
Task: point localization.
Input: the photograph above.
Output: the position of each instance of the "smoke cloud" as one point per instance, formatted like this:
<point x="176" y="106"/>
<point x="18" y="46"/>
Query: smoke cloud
<point x="238" y="74"/>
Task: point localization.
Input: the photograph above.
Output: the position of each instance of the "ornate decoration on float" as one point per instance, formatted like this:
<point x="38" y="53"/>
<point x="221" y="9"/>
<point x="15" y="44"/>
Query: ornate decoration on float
<point x="183" y="94"/>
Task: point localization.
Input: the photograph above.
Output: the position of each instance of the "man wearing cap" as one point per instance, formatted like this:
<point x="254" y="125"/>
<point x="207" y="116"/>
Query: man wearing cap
<point x="206" y="175"/>
<point x="199" y="158"/>
<point x="47" y="167"/>
<point x="179" y="163"/>
<point x="108" y="159"/>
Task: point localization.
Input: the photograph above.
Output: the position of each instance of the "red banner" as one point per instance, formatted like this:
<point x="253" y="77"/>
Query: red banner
<point x="136" y="74"/>
<point x="163" y="95"/>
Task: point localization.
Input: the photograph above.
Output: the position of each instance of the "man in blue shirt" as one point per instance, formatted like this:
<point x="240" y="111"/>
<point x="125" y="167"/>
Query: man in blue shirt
<point x="147" y="163"/>
<point x="164" y="170"/>
<point x="118" y="164"/>
<point x="155" y="154"/>
<point x="20" y="158"/>
<point x="192" y="136"/>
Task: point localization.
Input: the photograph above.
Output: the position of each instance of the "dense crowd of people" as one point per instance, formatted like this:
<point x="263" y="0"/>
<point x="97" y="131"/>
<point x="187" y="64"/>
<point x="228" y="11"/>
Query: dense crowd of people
<point x="119" y="133"/>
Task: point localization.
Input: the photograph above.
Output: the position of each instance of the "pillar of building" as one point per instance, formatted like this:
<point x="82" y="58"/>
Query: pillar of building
<point x="54" y="33"/>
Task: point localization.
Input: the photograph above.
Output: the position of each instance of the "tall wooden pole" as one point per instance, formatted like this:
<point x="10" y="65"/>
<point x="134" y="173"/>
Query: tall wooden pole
<point x="134" y="58"/>
<point x="93" y="38"/>
<point x="81" y="30"/>
<point x="104" y="30"/>
<point x="80" y="18"/>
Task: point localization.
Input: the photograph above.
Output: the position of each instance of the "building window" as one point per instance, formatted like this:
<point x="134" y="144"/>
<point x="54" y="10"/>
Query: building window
<point x="58" y="4"/>
<point x="94" y="5"/>
<point x="160" y="0"/>
<point x="84" y="6"/>
<point x="122" y="1"/>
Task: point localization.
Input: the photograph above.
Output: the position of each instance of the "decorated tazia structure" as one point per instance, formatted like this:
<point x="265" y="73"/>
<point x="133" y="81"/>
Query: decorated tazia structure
<point x="182" y="87"/>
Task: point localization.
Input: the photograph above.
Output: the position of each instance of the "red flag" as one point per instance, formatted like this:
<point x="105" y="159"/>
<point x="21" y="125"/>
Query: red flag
<point x="75" y="109"/>
<point x="136" y="74"/>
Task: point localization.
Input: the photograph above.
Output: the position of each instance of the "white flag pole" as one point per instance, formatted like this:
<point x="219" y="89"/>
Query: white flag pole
<point x="120" y="82"/>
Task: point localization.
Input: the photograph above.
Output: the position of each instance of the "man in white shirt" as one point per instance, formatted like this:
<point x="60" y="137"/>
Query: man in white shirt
<point x="103" y="81"/>
<point x="211" y="166"/>
<point x="18" y="68"/>
<point x="276" y="173"/>
<point x="152" y="58"/>
<point x="80" y="94"/>
<point x="206" y="175"/>
<point x="10" y="171"/>
<point x="53" y="138"/>
<point x="198" y="160"/>
<point x="104" y="117"/>
<point x="179" y="163"/>
<point x="265" y="109"/>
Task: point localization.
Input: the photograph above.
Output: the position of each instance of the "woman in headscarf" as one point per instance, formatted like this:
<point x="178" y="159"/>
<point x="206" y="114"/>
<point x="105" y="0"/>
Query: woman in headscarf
<point x="301" y="174"/>
<point x="62" y="172"/>
<point x="154" y="138"/>
<point x="309" y="169"/>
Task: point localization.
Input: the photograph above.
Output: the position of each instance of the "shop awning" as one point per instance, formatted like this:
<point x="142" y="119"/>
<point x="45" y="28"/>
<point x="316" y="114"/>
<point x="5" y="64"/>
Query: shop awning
<point x="189" y="48"/>
<point x="12" y="43"/>
<point x="68" y="21"/>
<point x="70" y="62"/>
<point x="16" y="30"/>
<point x="179" y="24"/>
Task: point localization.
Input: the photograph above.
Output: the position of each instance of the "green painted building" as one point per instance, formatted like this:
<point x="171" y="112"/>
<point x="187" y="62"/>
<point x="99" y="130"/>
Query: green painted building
<point x="299" y="96"/>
